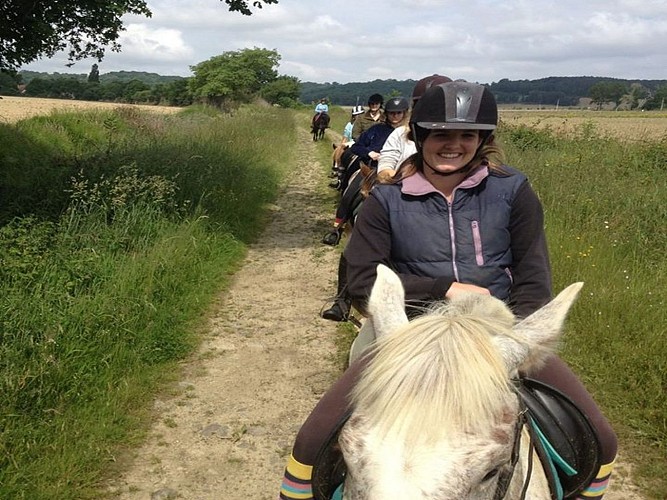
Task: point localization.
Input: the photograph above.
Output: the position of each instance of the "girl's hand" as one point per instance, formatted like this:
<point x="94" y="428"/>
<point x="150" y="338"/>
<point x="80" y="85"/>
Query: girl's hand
<point x="374" y="155"/>
<point x="458" y="288"/>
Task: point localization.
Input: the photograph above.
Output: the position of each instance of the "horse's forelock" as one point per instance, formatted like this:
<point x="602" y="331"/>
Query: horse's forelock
<point x="441" y="369"/>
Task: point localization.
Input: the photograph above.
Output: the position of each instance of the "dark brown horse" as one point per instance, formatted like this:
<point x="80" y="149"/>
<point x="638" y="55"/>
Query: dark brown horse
<point x="320" y="124"/>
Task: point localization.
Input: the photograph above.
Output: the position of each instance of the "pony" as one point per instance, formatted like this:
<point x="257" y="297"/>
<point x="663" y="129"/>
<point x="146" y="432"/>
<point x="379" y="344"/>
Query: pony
<point x="436" y="413"/>
<point x="319" y="125"/>
<point x="344" y="164"/>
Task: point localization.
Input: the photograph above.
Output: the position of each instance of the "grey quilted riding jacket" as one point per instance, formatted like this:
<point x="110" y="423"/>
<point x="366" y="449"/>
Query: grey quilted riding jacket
<point x="490" y="235"/>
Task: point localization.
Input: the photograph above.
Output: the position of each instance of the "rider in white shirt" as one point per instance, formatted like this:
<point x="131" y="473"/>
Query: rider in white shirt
<point x="322" y="106"/>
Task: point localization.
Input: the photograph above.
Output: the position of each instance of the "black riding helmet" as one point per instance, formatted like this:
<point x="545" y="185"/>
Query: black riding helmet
<point x="454" y="105"/>
<point x="426" y="83"/>
<point x="375" y="99"/>
<point x="396" y="104"/>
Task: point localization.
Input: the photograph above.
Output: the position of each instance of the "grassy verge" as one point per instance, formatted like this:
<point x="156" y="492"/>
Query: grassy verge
<point x="119" y="228"/>
<point x="605" y="212"/>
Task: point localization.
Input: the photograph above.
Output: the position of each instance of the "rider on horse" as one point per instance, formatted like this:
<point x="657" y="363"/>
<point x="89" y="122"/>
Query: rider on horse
<point x="370" y="117"/>
<point x="321" y="108"/>
<point x="454" y="220"/>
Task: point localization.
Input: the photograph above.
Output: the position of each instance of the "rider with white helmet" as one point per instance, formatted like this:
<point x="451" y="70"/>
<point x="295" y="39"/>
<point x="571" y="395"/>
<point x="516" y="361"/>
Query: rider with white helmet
<point x="347" y="132"/>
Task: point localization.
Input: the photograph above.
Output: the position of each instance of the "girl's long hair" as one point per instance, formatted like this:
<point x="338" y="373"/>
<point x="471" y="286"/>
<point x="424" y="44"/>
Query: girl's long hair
<point x="490" y="154"/>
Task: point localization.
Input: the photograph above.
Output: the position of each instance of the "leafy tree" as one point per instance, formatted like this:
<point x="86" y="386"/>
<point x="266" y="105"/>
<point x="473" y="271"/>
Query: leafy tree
<point x="40" y="28"/>
<point x="113" y="91"/>
<point x="67" y="88"/>
<point x="135" y="91"/>
<point x="637" y="93"/>
<point x="658" y="100"/>
<point x="92" y="92"/>
<point x="31" y="29"/>
<point x="243" y="7"/>
<point x="603" y="92"/>
<point x="39" y="87"/>
<point x="234" y="76"/>
<point x="94" y="75"/>
<point x="8" y="83"/>
<point x="284" y="91"/>
<point x="176" y="93"/>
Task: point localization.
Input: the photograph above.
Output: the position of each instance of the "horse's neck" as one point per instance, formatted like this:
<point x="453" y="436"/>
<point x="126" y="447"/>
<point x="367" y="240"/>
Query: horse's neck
<point x="538" y="486"/>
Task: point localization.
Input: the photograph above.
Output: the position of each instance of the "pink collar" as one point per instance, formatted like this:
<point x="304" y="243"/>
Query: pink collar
<point x="418" y="184"/>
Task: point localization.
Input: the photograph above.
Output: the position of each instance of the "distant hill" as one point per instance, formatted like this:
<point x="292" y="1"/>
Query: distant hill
<point x="554" y="90"/>
<point x="551" y="91"/>
<point x="350" y="94"/>
<point x="112" y="76"/>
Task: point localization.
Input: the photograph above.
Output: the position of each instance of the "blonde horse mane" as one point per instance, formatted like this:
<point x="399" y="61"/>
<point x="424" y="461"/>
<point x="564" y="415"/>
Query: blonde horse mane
<point x="442" y="370"/>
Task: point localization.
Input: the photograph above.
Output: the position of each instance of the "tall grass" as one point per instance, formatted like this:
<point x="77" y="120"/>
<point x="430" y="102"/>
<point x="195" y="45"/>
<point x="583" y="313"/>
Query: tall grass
<point x="107" y="268"/>
<point x="606" y="213"/>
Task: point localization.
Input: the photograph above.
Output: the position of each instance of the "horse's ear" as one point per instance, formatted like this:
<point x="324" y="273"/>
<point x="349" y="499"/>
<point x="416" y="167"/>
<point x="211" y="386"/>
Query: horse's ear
<point x="386" y="304"/>
<point x="538" y="334"/>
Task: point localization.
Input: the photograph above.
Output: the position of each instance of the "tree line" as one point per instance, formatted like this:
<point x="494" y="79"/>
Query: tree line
<point x="224" y="81"/>
<point x="551" y="91"/>
<point x="240" y="76"/>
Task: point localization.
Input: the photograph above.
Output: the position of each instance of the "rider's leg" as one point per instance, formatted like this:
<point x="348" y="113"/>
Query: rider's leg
<point x="340" y="309"/>
<point x="557" y="374"/>
<point x="350" y="200"/>
<point x="352" y="165"/>
<point x="364" y="338"/>
<point x="324" y="418"/>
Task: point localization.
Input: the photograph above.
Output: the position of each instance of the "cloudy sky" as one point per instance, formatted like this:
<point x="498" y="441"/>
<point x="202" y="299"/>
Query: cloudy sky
<point x="359" y="40"/>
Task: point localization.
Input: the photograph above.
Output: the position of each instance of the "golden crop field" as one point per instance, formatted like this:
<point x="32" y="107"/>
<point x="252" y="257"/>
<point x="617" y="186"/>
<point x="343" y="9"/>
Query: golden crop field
<point x="622" y="125"/>
<point x="13" y="109"/>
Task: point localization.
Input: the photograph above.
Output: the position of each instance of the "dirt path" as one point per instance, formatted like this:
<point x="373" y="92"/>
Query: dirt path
<point x="228" y="431"/>
<point x="229" y="427"/>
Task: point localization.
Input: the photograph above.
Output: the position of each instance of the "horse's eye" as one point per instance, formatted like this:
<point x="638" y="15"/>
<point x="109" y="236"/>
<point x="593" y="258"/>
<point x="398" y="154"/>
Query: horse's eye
<point x="490" y="475"/>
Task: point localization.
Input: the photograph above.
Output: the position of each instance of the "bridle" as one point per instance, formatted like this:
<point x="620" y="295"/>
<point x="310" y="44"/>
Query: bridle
<point x="505" y="478"/>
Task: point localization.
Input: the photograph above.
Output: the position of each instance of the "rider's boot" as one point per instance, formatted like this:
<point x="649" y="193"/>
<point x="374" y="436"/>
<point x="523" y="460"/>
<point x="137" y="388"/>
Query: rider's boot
<point x="333" y="237"/>
<point x="339" y="311"/>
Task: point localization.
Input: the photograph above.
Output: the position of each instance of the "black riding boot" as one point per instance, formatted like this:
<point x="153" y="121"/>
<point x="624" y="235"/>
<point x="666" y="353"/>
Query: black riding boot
<point x="340" y="310"/>
<point x="333" y="237"/>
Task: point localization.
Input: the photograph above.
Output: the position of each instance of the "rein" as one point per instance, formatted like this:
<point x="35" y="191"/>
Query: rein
<point x="505" y="477"/>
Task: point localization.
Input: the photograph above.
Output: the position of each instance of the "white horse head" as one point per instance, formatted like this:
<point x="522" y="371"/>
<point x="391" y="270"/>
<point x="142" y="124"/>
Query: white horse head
<point x="435" y="414"/>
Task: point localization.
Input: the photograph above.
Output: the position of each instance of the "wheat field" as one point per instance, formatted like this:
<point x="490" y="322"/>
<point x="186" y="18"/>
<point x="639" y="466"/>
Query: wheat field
<point x="13" y="109"/>
<point x="622" y="125"/>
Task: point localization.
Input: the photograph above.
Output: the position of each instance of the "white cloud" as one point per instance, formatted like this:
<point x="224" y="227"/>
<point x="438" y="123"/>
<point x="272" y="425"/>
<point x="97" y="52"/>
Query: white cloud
<point x="161" y="44"/>
<point x="479" y="40"/>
